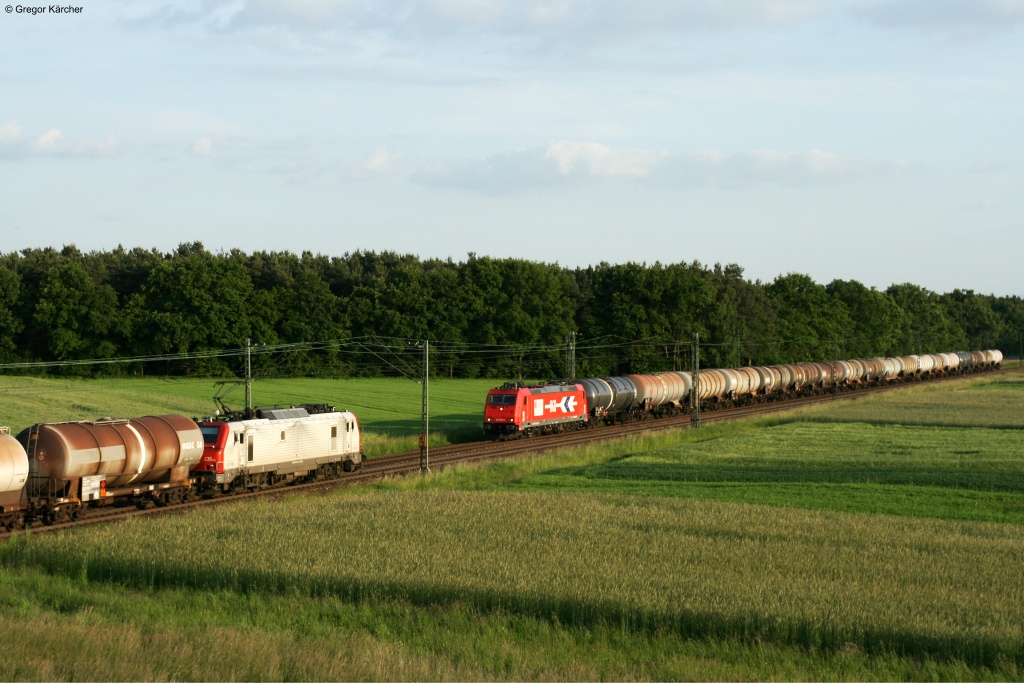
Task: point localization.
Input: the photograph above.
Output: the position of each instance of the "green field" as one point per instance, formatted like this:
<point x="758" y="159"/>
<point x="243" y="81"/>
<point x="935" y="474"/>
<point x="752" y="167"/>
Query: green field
<point x="880" y="539"/>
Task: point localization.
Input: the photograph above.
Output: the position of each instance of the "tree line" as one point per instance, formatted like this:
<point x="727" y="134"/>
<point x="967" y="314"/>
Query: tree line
<point x="484" y="317"/>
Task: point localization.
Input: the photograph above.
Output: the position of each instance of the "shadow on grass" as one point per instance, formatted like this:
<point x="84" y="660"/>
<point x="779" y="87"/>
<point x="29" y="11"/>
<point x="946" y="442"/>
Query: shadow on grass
<point x="776" y="473"/>
<point x="809" y="632"/>
<point x="903" y="421"/>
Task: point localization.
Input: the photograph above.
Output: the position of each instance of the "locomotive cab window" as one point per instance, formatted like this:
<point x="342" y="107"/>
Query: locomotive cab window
<point x="210" y="434"/>
<point x="502" y="399"/>
<point x="282" y="436"/>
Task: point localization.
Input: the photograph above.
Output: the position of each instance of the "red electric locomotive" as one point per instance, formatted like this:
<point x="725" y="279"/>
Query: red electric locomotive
<point x="517" y="409"/>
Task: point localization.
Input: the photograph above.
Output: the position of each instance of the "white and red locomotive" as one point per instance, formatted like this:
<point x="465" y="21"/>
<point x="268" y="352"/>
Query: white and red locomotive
<point x="518" y="409"/>
<point x="278" y="445"/>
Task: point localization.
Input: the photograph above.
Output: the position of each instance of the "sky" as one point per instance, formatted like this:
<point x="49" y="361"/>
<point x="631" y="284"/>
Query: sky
<point x="875" y="140"/>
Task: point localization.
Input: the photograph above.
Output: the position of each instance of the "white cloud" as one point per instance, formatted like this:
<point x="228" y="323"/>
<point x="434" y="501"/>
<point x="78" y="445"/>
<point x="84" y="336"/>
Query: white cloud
<point x="565" y="21"/>
<point x="599" y="160"/>
<point x="565" y="161"/>
<point x="50" y="143"/>
<point x="10" y="133"/>
<point x="757" y="167"/>
<point x="958" y="18"/>
<point x="379" y="160"/>
<point x="203" y="147"/>
<point x="88" y="148"/>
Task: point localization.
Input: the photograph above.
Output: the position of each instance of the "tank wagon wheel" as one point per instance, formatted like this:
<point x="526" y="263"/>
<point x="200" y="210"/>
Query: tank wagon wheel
<point x="56" y="516"/>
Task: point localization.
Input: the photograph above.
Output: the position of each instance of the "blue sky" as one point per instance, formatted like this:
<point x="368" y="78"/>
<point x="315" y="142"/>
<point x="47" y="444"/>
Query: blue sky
<point x="875" y="140"/>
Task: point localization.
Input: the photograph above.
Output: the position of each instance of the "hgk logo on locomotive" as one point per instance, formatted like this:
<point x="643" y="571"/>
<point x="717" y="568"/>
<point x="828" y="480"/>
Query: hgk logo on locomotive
<point x="566" y="404"/>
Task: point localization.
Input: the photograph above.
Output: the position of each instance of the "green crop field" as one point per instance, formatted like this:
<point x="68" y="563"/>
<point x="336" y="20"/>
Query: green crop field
<point x="874" y="540"/>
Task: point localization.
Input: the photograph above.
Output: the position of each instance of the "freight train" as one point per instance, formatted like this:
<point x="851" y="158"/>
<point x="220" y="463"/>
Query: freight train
<point x="516" y="409"/>
<point x="55" y="472"/>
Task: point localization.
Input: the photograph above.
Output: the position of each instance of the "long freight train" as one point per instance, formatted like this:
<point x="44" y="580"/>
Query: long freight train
<point x="515" y="409"/>
<point x="57" y="471"/>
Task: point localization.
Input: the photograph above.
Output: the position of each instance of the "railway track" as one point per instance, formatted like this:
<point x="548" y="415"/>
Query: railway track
<point x="402" y="464"/>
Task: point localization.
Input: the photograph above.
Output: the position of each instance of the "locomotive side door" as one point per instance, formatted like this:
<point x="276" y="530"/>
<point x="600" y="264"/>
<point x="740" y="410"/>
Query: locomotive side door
<point x="247" y="452"/>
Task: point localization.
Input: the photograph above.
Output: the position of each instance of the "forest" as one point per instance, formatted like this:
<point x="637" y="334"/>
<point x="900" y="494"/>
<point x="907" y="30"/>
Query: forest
<point x="190" y="311"/>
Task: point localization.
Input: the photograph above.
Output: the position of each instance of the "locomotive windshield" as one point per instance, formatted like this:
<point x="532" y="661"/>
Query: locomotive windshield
<point x="210" y="433"/>
<point x="502" y="399"/>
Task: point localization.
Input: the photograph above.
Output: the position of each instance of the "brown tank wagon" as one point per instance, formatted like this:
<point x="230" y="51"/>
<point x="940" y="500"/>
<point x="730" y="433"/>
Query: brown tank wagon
<point x="75" y="464"/>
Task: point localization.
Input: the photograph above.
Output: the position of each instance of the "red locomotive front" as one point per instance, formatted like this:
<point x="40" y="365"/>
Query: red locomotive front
<point x="517" y="408"/>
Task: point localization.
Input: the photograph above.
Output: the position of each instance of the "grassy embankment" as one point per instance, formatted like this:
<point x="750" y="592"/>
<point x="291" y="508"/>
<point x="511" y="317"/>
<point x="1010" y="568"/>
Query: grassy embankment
<point x="880" y="539"/>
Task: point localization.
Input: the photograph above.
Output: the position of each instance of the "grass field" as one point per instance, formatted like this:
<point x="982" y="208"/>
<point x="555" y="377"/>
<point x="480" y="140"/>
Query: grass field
<point x="880" y="539"/>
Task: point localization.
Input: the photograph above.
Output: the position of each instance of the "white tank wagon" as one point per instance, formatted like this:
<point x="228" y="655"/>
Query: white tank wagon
<point x="13" y="474"/>
<point x="279" y="446"/>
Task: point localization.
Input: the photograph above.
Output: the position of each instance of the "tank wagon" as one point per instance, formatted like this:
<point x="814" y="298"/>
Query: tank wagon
<point x="277" y="445"/>
<point x="13" y="473"/>
<point x="515" y="408"/>
<point x="55" y="471"/>
<point x="636" y="397"/>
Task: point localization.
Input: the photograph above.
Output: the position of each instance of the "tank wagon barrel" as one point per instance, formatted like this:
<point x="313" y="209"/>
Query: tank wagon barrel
<point x="142" y="450"/>
<point x="13" y="474"/>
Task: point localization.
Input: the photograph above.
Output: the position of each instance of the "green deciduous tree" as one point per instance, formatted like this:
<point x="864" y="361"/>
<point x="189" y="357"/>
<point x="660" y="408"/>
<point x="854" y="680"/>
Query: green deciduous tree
<point x="811" y="320"/>
<point x="77" y="317"/>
